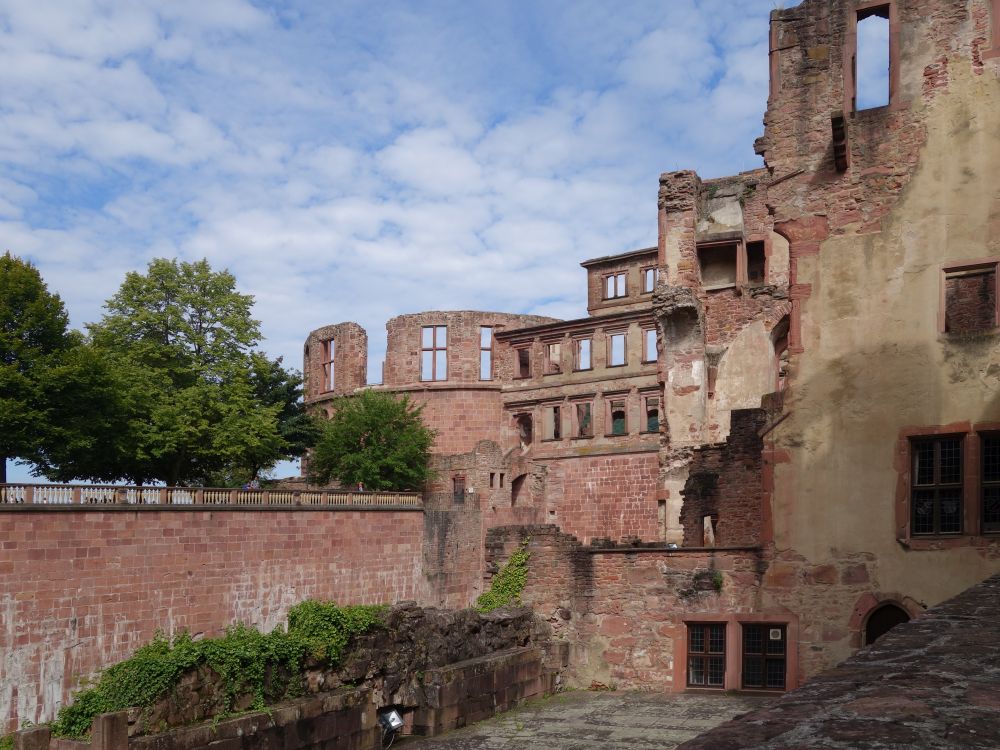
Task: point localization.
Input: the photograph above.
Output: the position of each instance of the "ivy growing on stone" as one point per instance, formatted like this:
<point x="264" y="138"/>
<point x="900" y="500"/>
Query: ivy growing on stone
<point x="508" y="584"/>
<point x="267" y="666"/>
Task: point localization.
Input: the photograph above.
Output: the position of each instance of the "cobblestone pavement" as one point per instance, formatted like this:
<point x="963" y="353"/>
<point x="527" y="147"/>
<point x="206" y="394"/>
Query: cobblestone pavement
<point x="582" y="720"/>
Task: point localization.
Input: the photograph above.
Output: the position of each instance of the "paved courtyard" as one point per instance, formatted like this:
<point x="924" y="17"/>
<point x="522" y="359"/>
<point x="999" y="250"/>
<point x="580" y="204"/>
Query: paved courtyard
<point x="582" y="720"/>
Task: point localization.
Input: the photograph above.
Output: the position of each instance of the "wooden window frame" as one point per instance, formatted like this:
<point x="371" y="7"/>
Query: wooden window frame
<point x="706" y="654"/>
<point x="979" y="264"/>
<point x="986" y="527"/>
<point x="937" y="486"/>
<point x="486" y="350"/>
<point x="329" y="372"/>
<point x="434" y="349"/>
<point x="610" y="339"/>
<point x="620" y="290"/>
<point x="763" y="658"/>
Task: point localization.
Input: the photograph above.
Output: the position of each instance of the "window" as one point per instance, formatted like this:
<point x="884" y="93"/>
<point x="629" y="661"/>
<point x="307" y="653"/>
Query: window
<point x="553" y="423"/>
<point x="649" y="278"/>
<point x="990" y="478"/>
<point x="706" y="657"/>
<point x="434" y="353"/>
<point x="525" y="433"/>
<point x="970" y="298"/>
<point x="485" y="353"/>
<point x="756" y="263"/>
<point x="649" y="345"/>
<point x="872" y="59"/>
<point x="718" y="265"/>
<point x="764" y="663"/>
<point x="616" y="350"/>
<point x="652" y="404"/>
<point x="553" y="358"/>
<point x="523" y="368"/>
<point x="619" y="423"/>
<point x="584" y="420"/>
<point x="328" y="376"/>
<point x="493" y="479"/>
<point x="458" y="489"/>
<point x="936" y="486"/>
<point x="583" y="354"/>
<point x="614" y="285"/>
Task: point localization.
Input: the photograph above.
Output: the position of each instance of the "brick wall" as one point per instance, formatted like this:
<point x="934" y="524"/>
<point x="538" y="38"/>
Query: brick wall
<point x="971" y="303"/>
<point x="350" y="360"/>
<point x="724" y="481"/>
<point x="80" y="589"/>
<point x="462" y="417"/>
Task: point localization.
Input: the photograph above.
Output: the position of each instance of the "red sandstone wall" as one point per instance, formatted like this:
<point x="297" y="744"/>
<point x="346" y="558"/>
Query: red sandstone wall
<point x="461" y="417"/>
<point x="610" y="496"/>
<point x="82" y="589"/>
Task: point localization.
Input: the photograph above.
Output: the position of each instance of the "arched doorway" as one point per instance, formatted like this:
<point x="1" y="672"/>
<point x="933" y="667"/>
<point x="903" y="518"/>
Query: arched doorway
<point x="882" y="620"/>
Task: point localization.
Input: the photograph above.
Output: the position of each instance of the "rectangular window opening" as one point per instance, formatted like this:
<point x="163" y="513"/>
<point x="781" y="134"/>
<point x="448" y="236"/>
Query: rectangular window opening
<point x="764" y="657"/>
<point x="970" y="299"/>
<point x="553" y="423"/>
<point x="718" y="266"/>
<point x="553" y="359"/>
<point x="493" y="479"/>
<point x="501" y="480"/>
<point x="434" y="353"/>
<point x="486" y="353"/>
<point x="706" y="656"/>
<point x="584" y="420"/>
<point x="756" y="264"/>
<point x="649" y="279"/>
<point x="523" y="362"/>
<point x="652" y="414"/>
<point x="328" y="374"/>
<point x="458" y="489"/>
<point x="614" y="286"/>
<point x="619" y="421"/>
<point x="583" y="354"/>
<point x="649" y="345"/>
<point x="616" y="350"/>
<point x="936" y="486"/>
<point x="872" y="59"/>
<point x="990" y="450"/>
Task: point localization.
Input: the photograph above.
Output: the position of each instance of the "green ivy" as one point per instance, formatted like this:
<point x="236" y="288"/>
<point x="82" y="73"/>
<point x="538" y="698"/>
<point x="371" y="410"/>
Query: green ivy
<point x="266" y="665"/>
<point x="508" y="584"/>
<point x="7" y="742"/>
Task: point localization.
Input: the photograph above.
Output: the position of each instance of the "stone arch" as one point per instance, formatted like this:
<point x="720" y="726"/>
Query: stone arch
<point x="881" y="620"/>
<point x="871" y="601"/>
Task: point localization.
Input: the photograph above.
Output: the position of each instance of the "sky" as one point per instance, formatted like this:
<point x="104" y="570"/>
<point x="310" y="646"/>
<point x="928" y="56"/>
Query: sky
<point x="355" y="160"/>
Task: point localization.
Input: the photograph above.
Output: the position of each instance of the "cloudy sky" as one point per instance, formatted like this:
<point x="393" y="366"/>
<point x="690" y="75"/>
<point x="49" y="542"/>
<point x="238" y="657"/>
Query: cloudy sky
<point x="356" y="160"/>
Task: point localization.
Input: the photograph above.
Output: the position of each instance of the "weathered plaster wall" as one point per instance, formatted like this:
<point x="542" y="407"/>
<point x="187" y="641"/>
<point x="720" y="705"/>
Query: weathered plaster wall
<point x="80" y="589"/>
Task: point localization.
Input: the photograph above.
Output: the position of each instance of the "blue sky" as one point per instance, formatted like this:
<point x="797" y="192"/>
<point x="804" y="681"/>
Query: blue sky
<point x="357" y="160"/>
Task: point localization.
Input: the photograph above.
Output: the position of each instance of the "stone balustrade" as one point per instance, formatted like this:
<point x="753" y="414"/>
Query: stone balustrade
<point x="17" y="496"/>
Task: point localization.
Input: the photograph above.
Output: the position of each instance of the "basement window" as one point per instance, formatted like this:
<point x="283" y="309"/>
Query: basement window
<point x="756" y="263"/>
<point x="872" y="59"/>
<point x="718" y="265"/>
<point x="970" y="298"/>
<point x="764" y="656"/>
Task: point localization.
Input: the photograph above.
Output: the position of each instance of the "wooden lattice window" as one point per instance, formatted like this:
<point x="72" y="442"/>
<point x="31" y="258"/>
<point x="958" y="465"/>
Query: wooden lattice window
<point x="936" y="486"/>
<point x="706" y="657"/>
<point x="764" y="657"/>
<point x="990" y="452"/>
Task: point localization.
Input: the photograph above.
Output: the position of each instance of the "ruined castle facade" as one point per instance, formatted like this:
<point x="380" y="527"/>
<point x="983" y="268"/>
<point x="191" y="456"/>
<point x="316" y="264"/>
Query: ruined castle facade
<point x="777" y="433"/>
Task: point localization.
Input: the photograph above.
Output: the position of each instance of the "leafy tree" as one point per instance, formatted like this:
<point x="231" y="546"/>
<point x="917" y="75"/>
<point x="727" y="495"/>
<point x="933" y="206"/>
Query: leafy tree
<point x="33" y="328"/>
<point x="182" y="341"/>
<point x="374" y="439"/>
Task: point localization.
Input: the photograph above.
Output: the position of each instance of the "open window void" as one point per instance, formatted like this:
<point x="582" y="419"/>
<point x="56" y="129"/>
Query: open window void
<point x="872" y="59"/>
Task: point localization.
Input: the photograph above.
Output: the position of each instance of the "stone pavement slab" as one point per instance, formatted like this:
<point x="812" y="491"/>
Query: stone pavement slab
<point x="582" y="720"/>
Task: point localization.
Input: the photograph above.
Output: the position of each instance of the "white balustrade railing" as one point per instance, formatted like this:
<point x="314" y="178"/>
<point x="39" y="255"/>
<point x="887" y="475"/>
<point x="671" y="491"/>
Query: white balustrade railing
<point x="18" y="495"/>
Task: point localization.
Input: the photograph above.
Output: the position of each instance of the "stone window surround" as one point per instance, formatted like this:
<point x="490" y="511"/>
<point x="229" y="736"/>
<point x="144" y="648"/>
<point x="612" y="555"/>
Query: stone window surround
<point x="329" y="349"/>
<point x="859" y="12"/>
<point x="434" y="349"/>
<point x="609" y="335"/>
<point x="972" y="533"/>
<point x="644" y="397"/>
<point x="619" y="291"/>
<point x="609" y="398"/>
<point x="643" y="270"/>
<point x="734" y="649"/>
<point x="656" y="346"/>
<point x="967" y="265"/>
<point x="573" y="404"/>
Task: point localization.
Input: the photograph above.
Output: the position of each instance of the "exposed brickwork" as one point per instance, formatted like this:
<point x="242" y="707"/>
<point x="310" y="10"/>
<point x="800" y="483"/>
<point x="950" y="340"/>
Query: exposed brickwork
<point x="971" y="303"/>
<point x="80" y="589"/>
<point x="632" y="265"/>
<point x="724" y="482"/>
<point x="350" y="361"/>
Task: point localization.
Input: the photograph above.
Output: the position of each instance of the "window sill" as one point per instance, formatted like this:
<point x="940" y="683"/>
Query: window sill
<point x="556" y="372"/>
<point x="551" y="440"/>
<point x="612" y="299"/>
<point x="649" y="432"/>
<point x="949" y="541"/>
<point x="649" y="361"/>
<point x="623" y="364"/>
<point x="521" y="377"/>
<point x="719" y="287"/>
<point x="615" y="434"/>
<point x="583" y="369"/>
<point x="582" y="437"/>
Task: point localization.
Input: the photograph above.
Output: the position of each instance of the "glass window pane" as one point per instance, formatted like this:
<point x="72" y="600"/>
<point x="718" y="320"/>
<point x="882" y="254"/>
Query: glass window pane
<point x="991" y="505"/>
<point x="923" y="463"/>
<point x="427" y="366"/>
<point x="991" y="459"/>
<point x="951" y="461"/>
<point x="951" y="510"/>
<point x="717" y="639"/>
<point x="441" y="365"/>
<point x="485" y="365"/>
<point x="776" y="673"/>
<point x="696" y="639"/>
<point x="696" y="674"/>
<point x="442" y="337"/>
<point x="923" y="512"/>
<point x="716" y="670"/>
<point x="427" y="341"/>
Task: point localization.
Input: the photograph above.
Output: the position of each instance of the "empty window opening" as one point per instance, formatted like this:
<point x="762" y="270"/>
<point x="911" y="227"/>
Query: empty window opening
<point x="718" y="266"/>
<point x="458" y="489"/>
<point x="706" y="657"/>
<point x="970" y="299"/>
<point x="990" y="450"/>
<point x="501" y="480"/>
<point x="524" y="433"/>
<point x="649" y="345"/>
<point x="553" y="358"/>
<point x="882" y="620"/>
<point x="649" y="278"/>
<point x="434" y="353"/>
<point x="764" y="661"/>
<point x="652" y="414"/>
<point x="493" y="479"/>
<point x="614" y="285"/>
<point x="661" y="517"/>
<point x="328" y="375"/>
<point x="584" y="420"/>
<point x="486" y="353"/>
<point x="756" y="263"/>
<point x="523" y="362"/>
<point x="516" y="489"/>
<point x="553" y="423"/>
<point x="871" y="62"/>
<point x="583" y="354"/>
<point x="936" y="486"/>
<point x="619" y="424"/>
<point x="709" y="527"/>
<point x="616" y="350"/>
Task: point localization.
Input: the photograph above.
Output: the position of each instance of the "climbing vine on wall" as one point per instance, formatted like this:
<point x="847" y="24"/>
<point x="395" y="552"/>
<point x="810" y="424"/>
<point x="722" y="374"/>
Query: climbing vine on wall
<point x="508" y="584"/>
<point x="266" y="665"/>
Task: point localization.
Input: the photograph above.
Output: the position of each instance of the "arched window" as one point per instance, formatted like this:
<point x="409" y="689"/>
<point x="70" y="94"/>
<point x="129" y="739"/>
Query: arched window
<point x="882" y="620"/>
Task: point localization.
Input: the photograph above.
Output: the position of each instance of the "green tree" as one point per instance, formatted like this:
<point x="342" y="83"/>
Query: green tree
<point x="183" y="341"/>
<point x="33" y="330"/>
<point x="374" y="439"/>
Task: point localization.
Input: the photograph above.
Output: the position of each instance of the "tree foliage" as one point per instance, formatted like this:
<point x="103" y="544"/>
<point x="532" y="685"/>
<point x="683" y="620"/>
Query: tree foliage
<point x="374" y="439"/>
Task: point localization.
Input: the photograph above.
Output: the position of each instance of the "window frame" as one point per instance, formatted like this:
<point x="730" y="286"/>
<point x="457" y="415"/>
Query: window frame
<point x="993" y="263"/>
<point x="646" y="398"/>
<point x="986" y="527"/>
<point x="577" y="434"/>
<point x="763" y="657"/>
<point x="610" y="339"/>
<point x="644" y="273"/>
<point x="937" y="486"/>
<point x="576" y="354"/>
<point x="458" y="489"/>
<point x="434" y="349"/>
<point x="645" y="346"/>
<point x="610" y="400"/>
<point x="329" y="352"/>
<point x="705" y="654"/>
<point x="520" y="374"/>
<point x="552" y="367"/>
<point x="552" y="419"/>
<point x="487" y="351"/>
<point x="620" y="289"/>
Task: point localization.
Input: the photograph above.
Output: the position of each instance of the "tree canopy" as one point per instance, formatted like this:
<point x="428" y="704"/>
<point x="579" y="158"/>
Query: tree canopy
<point x="374" y="439"/>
